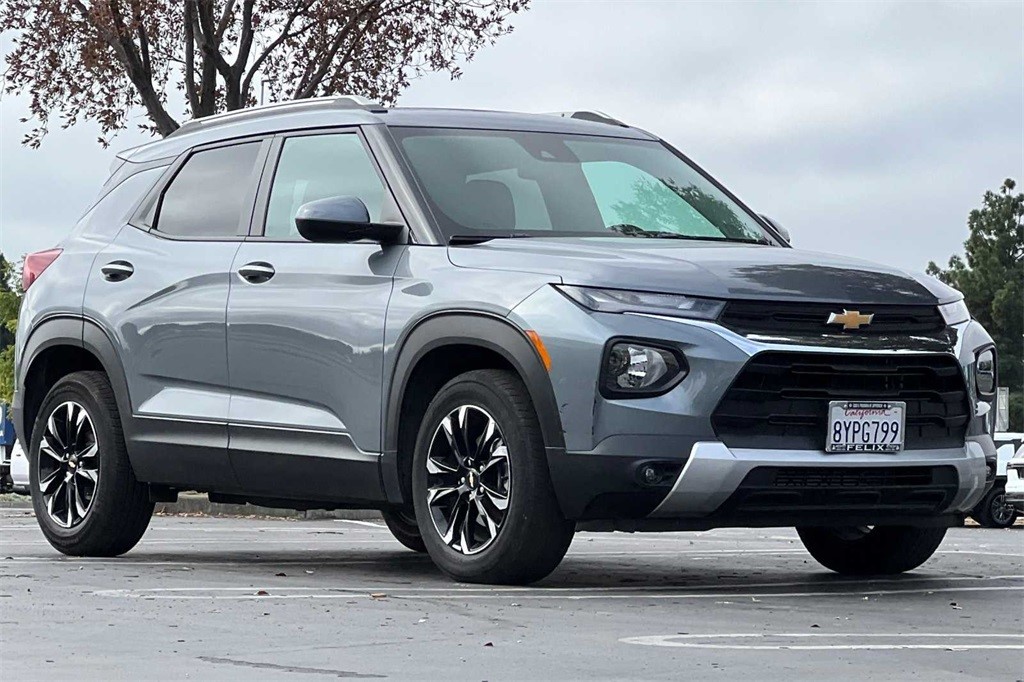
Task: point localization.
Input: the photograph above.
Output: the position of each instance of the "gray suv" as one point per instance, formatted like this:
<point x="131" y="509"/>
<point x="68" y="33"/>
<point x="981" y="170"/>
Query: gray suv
<point x="496" y="328"/>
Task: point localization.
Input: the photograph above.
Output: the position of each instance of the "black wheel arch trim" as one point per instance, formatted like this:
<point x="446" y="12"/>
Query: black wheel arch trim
<point x="465" y="327"/>
<point x="80" y="332"/>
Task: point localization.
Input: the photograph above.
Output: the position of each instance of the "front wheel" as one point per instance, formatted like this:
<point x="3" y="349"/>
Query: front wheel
<point x="483" y="497"/>
<point x="876" y="550"/>
<point x="993" y="512"/>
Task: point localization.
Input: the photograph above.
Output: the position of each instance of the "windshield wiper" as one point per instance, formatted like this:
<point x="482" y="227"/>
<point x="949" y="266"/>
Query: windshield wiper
<point x="467" y="239"/>
<point x="637" y="231"/>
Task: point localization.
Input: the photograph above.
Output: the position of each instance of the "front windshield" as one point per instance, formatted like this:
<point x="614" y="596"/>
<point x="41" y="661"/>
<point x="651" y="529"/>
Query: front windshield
<point x="505" y="183"/>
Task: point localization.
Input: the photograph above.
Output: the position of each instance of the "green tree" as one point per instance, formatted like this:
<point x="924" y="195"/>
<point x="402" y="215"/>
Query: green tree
<point x="991" y="277"/>
<point x="10" y="304"/>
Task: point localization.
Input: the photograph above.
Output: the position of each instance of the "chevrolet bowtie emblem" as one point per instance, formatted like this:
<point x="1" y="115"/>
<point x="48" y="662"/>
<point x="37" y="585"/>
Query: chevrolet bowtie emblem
<point x="850" y="319"/>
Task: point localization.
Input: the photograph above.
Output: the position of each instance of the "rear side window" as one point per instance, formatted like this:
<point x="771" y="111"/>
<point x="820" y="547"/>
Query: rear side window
<point x="111" y="212"/>
<point x="209" y="196"/>
<point x="317" y="167"/>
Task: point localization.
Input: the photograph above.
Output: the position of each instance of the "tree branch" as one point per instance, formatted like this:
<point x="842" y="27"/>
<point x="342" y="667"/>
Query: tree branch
<point x="308" y="88"/>
<point x="190" y="60"/>
<point x="274" y="44"/>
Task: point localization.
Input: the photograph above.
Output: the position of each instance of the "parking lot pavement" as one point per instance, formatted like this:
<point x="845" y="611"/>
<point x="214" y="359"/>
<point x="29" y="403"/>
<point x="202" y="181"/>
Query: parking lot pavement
<point x="271" y="599"/>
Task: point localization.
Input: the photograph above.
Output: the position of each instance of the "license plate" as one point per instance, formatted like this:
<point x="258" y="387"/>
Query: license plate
<point x="865" y="427"/>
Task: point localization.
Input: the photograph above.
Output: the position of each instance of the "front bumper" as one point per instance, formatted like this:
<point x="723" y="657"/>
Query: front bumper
<point x="608" y="441"/>
<point x="825" y="484"/>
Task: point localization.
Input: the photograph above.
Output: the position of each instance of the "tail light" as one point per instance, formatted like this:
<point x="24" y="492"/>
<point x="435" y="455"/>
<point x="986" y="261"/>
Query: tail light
<point x="35" y="263"/>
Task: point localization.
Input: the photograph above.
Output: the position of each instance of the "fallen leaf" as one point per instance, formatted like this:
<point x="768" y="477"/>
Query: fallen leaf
<point x="281" y="575"/>
<point x="262" y="593"/>
<point x="379" y="595"/>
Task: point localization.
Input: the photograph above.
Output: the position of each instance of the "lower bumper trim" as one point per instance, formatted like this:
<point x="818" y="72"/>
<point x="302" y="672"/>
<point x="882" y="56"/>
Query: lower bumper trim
<point x="714" y="472"/>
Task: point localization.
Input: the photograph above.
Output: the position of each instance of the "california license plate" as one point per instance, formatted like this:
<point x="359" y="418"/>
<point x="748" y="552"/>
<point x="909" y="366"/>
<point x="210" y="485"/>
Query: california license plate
<point x="865" y="427"/>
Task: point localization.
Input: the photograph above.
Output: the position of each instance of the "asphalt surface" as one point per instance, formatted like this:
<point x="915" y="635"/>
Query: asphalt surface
<point x="216" y="598"/>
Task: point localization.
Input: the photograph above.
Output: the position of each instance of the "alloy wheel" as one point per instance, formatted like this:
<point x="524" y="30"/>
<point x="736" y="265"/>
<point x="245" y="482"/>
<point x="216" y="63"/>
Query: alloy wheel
<point x="469" y="479"/>
<point x="1001" y="512"/>
<point x="68" y="464"/>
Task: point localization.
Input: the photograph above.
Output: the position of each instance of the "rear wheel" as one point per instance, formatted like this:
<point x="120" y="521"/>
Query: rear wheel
<point x="402" y="524"/>
<point x="993" y="512"/>
<point x="484" y="502"/>
<point x="86" y="497"/>
<point x="877" y="550"/>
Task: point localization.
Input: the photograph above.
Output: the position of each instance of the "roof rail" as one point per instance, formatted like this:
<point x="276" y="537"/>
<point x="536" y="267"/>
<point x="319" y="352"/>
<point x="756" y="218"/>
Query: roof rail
<point x="587" y="115"/>
<point x="331" y="102"/>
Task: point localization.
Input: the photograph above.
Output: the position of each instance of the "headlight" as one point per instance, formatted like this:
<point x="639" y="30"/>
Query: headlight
<point x="622" y="301"/>
<point x="638" y="369"/>
<point x="985" y="372"/>
<point x="955" y="312"/>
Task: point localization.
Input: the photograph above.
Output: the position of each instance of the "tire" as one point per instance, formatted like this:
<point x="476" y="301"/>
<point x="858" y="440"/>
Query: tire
<point x="402" y="524"/>
<point x="881" y="550"/>
<point x="992" y="511"/>
<point x="117" y="512"/>
<point x="528" y="538"/>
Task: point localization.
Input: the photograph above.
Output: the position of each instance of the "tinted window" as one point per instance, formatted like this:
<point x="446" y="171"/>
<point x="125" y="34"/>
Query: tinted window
<point x="316" y="167"/>
<point x="208" y="196"/>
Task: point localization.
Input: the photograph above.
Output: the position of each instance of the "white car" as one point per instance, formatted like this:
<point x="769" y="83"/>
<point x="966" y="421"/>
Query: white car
<point x="1014" y="495"/>
<point x="994" y="510"/>
<point x="19" y="468"/>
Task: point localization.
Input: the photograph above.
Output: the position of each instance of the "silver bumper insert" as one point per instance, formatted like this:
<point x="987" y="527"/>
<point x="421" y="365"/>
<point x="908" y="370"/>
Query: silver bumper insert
<point x="714" y="472"/>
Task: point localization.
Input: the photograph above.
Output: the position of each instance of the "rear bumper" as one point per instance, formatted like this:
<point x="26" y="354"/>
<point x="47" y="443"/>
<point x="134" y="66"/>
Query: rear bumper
<point x="719" y="481"/>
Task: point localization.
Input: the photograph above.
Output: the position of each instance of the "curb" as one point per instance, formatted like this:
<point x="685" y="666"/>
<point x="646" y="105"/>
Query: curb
<point x="198" y="504"/>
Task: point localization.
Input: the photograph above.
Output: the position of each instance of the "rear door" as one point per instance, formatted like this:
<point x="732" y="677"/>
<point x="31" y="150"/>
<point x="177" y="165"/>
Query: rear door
<point x="161" y="289"/>
<point x="306" y="329"/>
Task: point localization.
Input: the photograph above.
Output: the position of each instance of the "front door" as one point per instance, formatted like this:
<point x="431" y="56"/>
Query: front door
<point x="306" y="331"/>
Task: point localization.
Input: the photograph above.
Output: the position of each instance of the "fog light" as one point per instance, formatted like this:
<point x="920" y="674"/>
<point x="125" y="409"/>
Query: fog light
<point x="640" y="369"/>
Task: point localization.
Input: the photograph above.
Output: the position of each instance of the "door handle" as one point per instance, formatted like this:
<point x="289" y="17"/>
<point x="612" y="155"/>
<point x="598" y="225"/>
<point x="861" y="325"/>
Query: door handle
<point x="117" y="271"/>
<point x="256" y="273"/>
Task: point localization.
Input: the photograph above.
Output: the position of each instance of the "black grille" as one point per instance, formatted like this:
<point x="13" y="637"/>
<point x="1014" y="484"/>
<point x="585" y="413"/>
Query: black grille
<point x="780" y="399"/>
<point x="828" y="489"/>
<point x="774" y="318"/>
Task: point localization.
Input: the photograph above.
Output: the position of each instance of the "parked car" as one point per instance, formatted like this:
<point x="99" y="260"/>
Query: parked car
<point x="19" y="469"/>
<point x="1015" y="481"/>
<point x="994" y="511"/>
<point x="496" y="328"/>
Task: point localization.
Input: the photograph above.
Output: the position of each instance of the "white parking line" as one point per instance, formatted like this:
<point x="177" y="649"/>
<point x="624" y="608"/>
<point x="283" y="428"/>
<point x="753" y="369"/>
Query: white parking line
<point x="952" y="641"/>
<point x="356" y="522"/>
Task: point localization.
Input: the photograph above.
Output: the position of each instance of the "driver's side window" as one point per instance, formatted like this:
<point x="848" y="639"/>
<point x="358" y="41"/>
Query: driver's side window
<point x="315" y="167"/>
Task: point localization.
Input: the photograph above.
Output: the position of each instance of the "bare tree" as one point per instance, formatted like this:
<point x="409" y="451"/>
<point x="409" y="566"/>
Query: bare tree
<point x="98" y="60"/>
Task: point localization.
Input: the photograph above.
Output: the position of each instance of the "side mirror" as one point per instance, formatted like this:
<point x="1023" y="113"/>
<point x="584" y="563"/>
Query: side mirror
<point x="336" y="220"/>
<point x="783" y="232"/>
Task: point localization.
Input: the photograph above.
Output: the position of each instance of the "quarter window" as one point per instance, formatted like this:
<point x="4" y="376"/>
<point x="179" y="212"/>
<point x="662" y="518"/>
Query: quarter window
<point x="317" y="167"/>
<point x="209" y="195"/>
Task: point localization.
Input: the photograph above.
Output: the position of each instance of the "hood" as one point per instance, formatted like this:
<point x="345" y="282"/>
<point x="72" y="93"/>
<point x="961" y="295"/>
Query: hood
<point x="711" y="269"/>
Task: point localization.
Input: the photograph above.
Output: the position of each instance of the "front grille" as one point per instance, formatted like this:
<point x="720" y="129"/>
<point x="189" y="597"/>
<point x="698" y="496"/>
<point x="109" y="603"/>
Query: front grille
<point x="780" y="400"/>
<point x="783" y="318"/>
<point x="904" y="490"/>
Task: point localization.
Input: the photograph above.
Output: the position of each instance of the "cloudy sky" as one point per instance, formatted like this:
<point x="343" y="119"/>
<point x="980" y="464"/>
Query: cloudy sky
<point x="869" y="129"/>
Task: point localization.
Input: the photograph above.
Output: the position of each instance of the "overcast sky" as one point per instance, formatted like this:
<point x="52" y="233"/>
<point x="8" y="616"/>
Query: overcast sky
<point x="869" y="129"/>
